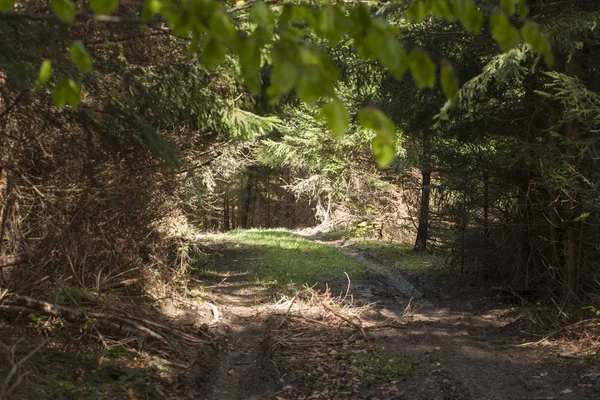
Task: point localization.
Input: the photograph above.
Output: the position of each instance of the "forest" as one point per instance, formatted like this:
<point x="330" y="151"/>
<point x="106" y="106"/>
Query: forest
<point x="299" y="199"/>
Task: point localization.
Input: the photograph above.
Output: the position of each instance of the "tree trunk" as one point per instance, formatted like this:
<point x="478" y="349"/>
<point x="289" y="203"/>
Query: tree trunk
<point x="247" y="200"/>
<point x="267" y="202"/>
<point x="233" y="215"/>
<point x="572" y="210"/>
<point x="290" y="200"/>
<point x="556" y="233"/>
<point x="423" y="229"/>
<point x="3" y="205"/>
<point x="463" y="228"/>
<point x="226" y="225"/>
<point x="486" y="210"/>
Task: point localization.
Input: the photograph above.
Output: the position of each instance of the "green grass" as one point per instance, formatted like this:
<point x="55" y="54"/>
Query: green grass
<point x="337" y="235"/>
<point x="403" y="256"/>
<point x="283" y="258"/>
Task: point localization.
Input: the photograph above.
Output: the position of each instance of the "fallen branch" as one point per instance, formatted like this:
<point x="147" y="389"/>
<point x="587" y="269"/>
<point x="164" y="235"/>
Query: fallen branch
<point x="287" y="313"/>
<point x="6" y="390"/>
<point x="215" y="313"/>
<point x="15" y="259"/>
<point x="345" y="318"/>
<point x="30" y="305"/>
<point x="559" y="330"/>
<point x="118" y="285"/>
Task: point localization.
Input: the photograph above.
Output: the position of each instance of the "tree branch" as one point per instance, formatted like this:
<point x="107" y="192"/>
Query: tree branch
<point x="83" y="16"/>
<point x="12" y="105"/>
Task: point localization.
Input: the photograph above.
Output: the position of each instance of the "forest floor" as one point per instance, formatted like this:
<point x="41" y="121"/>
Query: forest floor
<point x="278" y="315"/>
<point x="387" y="332"/>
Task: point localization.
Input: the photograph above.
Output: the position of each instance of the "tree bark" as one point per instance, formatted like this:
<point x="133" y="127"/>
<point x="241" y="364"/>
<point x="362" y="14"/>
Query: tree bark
<point x="572" y="209"/>
<point x="463" y="228"/>
<point x="226" y="225"/>
<point x="4" y="193"/>
<point x="486" y="210"/>
<point x="267" y="202"/>
<point x="247" y="200"/>
<point x="423" y="229"/>
<point x="290" y="202"/>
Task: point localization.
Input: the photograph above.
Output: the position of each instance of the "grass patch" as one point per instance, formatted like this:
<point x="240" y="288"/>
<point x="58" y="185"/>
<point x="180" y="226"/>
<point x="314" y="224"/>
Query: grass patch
<point x="402" y="256"/>
<point x="284" y="258"/>
<point x="337" y="235"/>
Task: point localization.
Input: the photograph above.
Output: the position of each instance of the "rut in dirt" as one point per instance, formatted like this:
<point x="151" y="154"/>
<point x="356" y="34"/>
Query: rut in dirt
<point x="242" y="367"/>
<point x="239" y="364"/>
<point x="391" y="337"/>
<point x="472" y="354"/>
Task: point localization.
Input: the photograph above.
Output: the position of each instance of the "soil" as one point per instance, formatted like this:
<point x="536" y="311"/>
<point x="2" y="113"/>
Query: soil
<point x="423" y="339"/>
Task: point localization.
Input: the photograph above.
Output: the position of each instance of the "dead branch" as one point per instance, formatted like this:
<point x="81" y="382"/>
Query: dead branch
<point x="6" y="390"/>
<point x="15" y="259"/>
<point x="348" y="288"/>
<point x="215" y="313"/>
<point x="287" y="313"/>
<point x="557" y="331"/>
<point x="345" y="318"/>
<point x="30" y="305"/>
<point x="119" y="285"/>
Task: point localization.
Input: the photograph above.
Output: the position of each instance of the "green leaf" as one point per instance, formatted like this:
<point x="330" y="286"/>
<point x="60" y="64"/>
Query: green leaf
<point x="249" y="55"/>
<point x="471" y="17"/>
<point x="337" y="117"/>
<point x="374" y="42"/>
<point x="6" y="5"/>
<point x="449" y="81"/>
<point x="213" y="53"/>
<point x="505" y="34"/>
<point x="530" y="32"/>
<point x="389" y="51"/>
<point x="330" y="24"/>
<point x="422" y="69"/>
<point x="523" y="9"/>
<point x="394" y="57"/>
<point x="283" y="78"/>
<point x="44" y="74"/>
<point x="417" y="10"/>
<point x="194" y="44"/>
<point x="361" y="17"/>
<point x="80" y="56"/>
<point x="151" y="8"/>
<point x="64" y="9"/>
<point x="383" y="150"/>
<point x="262" y="16"/>
<point x="104" y="6"/>
<point x="442" y="9"/>
<point x="385" y="139"/>
<point x="310" y="57"/>
<point x="221" y="27"/>
<point x="509" y="6"/>
<point x="309" y="90"/>
<point x="67" y="92"/>
<point x="582" y="217"/>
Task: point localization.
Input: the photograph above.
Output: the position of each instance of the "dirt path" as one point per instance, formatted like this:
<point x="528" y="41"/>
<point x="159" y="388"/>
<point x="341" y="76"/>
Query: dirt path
<point x="239" y="366"/>
<point x="418" y="346"/>
<point x="475" y="354"/>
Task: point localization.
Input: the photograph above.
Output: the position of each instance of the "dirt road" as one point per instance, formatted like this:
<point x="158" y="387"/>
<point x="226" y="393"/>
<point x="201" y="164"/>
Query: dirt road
<point x="391" y="337"/>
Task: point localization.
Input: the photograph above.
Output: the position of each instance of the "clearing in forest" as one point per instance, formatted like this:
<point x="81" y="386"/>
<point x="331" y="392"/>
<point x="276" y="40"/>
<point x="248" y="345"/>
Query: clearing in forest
<point x="308" y="319"/>
<point x="271" y="314"/>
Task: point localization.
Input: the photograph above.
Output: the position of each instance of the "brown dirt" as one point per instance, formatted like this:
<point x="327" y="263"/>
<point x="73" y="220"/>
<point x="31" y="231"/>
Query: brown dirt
<point x="395" y="335"/>
<point x="418" y="346"/>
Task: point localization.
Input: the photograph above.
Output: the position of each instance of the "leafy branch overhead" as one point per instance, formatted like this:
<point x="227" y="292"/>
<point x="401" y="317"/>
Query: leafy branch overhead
<point x="280" y="31"/>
